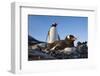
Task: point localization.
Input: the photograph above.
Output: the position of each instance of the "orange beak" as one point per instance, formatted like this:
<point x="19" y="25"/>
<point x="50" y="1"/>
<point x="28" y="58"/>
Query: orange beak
<point x="74" y="38"/>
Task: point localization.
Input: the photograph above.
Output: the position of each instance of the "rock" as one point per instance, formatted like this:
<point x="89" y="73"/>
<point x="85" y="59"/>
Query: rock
<point x="69" y="50"/>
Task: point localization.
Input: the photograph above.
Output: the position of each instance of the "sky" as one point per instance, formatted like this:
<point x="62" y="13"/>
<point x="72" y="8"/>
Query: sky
<point x="39" y="25"/>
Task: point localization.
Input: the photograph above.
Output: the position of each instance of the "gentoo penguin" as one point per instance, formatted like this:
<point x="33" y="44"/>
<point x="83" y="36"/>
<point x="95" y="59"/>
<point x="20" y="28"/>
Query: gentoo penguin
<point x="53" y="34"/>
<point x="62" y="44"/>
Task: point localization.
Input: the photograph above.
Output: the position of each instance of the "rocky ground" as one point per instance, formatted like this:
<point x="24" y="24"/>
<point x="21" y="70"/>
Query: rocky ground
<point x="81" y="51"/>
<point x="38" y="50"/>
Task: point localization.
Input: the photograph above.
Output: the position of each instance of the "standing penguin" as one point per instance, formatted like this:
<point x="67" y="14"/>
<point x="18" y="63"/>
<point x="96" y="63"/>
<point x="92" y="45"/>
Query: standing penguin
<point x="53" y="34"/>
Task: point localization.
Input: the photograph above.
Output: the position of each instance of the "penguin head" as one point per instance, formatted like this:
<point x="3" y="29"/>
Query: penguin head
<point x="54" y="25"/>
<point x="70" y="37"/>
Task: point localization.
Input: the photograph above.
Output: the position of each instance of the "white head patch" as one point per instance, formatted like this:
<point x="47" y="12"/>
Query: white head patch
<point x="68" y="37"/>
